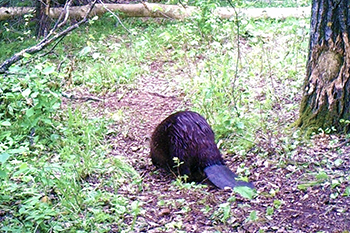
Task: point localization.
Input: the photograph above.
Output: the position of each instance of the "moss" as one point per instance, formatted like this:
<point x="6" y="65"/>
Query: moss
<point x="328" y="65"/>
<point x="307" y="122"/>
<point x="311" y="121"/>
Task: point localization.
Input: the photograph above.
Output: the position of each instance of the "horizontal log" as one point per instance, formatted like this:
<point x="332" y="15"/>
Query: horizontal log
<point x="162" y="11"/>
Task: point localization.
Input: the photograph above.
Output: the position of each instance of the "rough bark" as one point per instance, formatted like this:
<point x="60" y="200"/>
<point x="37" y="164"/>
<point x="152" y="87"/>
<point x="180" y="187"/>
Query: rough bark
<point x="327" y="88"/>
<point x="42" y="17"/>
<point x="161" y="10"/>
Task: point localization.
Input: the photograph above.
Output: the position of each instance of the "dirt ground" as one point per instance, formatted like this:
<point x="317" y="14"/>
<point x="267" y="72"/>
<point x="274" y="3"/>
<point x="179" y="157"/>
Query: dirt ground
<point x="280" y="206"/>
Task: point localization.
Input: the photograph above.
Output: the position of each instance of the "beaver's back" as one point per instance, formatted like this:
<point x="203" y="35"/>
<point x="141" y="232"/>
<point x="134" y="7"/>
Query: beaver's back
<point x="188" y="136"/>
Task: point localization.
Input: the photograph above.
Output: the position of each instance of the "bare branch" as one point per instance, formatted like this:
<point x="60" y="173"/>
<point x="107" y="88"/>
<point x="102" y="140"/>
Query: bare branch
<point x="46" y="41"/>
<point x="65" y="12"/>
<point x="104" y="6"/>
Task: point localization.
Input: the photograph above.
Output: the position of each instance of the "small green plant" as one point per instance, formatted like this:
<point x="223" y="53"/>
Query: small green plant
<point x="225" y="209"/>
<point x="223" y="212"/>
<point x="206" y="21"/>
<point x="277" y="203"/>
<point x="347" y="192"/>
<point x="269" y="211"/>
<point x="319" y="178"/>
<point x="252" y="216"/>
<point x="177" y="165"/>
<point x="245" y="192"/>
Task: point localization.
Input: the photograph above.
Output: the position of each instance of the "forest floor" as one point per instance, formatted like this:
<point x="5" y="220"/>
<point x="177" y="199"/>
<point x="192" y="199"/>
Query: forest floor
<point x="304" y="189"/>
<point x="293" y="194"/>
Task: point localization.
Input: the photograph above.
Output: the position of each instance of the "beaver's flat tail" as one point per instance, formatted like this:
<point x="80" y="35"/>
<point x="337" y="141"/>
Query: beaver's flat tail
<point x="221" y="176"/>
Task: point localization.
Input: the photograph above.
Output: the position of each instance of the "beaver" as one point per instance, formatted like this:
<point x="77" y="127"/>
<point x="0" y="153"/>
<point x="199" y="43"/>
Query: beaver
<point x="188" y="136"/>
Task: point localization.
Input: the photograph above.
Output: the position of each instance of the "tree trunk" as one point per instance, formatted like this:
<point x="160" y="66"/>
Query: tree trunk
<point x="42" y="17"/>
<point x="326" y="97"/>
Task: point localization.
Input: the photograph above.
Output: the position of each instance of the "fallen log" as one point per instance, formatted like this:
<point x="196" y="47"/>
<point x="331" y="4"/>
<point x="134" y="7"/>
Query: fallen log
<point x="161" y="11"/>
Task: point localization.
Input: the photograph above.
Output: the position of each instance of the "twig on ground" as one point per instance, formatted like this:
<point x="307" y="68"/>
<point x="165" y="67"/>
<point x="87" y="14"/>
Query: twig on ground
<point x="85" y="98"/>
<point x="340" y="144"/>
<point x="162" y="96"/>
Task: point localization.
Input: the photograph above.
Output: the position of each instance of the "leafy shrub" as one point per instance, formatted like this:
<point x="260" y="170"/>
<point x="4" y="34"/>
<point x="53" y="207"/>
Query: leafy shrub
<point x="28" y="100"/>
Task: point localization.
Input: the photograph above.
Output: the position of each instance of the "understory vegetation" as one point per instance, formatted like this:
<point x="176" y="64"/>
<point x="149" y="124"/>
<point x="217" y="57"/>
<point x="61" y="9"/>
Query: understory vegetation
<point x="57" y="173"/>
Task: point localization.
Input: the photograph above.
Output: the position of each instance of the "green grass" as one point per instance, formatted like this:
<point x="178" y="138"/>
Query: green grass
<point x="55" y="169"/>
<point x="49" y="189"/>
<point x="227" y="93"/>
<point x="223" y="91"/>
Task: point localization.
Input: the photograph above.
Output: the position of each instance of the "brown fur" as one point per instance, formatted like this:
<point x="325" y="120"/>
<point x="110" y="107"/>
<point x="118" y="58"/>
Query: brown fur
<point x="187" y="136"/>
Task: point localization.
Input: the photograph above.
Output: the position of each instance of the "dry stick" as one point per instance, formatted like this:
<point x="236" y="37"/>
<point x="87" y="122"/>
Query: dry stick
<point x="44" y="43"/>
<point x="340" y="144"/>
<point x="238" y="56"/>
<point x="65" y="11"/>
<point x="53" y="47"/>
<point x="104" y="6"/>
<point x="84" y="98"/>
<point x="59" y="24"/>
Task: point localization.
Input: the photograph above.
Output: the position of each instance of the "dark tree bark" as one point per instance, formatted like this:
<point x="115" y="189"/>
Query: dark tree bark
<point x="326" y="97"/>
<point x="42" y="17"/>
